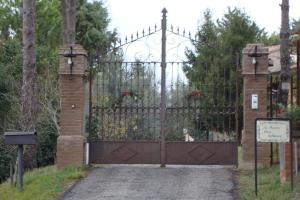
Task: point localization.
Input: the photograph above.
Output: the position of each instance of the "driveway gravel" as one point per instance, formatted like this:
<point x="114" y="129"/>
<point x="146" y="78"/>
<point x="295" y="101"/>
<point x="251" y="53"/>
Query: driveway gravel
<point x="138" y="182"/>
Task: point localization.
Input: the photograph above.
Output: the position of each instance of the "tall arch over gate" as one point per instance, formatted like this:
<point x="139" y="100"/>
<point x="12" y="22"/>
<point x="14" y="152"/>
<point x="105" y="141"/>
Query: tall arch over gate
<point x="149" y="112"/>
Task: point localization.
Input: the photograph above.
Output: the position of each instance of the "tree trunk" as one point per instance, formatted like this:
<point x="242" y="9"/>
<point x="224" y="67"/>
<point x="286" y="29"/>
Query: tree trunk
<point x="285" y="68"/>
<point x="284" y="50"/>
<point x="68" y="13"/>
<point x="29" y="87"/>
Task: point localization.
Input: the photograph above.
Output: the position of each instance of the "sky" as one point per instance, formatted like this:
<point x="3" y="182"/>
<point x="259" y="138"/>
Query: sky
<point x="128" y="16"/>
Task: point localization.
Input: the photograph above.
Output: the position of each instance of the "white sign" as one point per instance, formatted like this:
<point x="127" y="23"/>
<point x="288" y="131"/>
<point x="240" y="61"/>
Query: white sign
<point x="254" y="101"/>
<point x="273" y="131"/>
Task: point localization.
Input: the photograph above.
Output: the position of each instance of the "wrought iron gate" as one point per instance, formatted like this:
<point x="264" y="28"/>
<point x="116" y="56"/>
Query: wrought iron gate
<point x="149" y="112"/>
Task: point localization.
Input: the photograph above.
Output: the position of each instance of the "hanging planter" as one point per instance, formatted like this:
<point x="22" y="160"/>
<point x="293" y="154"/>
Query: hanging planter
<point x="127" y="94"/>
<point x="194" y="94"/>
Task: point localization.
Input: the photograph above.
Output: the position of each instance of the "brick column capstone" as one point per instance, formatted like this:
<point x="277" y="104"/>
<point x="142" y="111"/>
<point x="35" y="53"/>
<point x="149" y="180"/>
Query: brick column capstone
<point x="254" y="84"/>
<point x="71" y="141"/>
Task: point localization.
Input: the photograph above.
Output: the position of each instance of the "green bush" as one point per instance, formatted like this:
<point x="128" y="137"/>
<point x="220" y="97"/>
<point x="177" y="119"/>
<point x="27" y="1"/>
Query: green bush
<point x="6" y="157"/>
<point x="294" y="113"/>
<point x="47" y="136"/>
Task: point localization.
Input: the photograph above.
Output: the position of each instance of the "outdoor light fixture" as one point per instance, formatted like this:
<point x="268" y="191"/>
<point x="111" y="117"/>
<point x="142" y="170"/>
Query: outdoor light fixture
<point x="254" y="54"/>
<point x="254" y="61"/>
<point x="70" y="57"/>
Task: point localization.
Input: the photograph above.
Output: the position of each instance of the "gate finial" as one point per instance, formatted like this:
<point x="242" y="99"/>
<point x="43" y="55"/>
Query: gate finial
<point x="164" y="11"/>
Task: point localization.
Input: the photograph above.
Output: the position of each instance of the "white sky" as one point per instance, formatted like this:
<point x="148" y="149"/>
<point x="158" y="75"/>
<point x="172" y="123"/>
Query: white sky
<point x="128" y="16"/>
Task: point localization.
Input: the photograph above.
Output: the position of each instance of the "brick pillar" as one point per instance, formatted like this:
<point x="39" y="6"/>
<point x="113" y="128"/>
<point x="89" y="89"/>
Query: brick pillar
<point x="254" y="84"/>
<point x="71" y="141"/>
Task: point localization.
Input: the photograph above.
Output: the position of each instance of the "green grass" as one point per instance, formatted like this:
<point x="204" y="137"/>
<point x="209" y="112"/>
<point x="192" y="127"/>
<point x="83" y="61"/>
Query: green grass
<point x="269" y="186"/>
<point x="42" y="184"/>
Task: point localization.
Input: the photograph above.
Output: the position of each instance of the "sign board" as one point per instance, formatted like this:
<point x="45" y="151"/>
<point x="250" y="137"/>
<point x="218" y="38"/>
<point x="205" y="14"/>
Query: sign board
<point x="273" y="130"/>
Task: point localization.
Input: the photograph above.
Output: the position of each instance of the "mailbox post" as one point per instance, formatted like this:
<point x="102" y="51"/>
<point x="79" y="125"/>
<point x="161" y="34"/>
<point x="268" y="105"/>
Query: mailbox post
<point x="20" y="139"/>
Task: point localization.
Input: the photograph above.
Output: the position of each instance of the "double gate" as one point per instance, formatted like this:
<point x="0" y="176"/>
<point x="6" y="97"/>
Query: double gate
<point x="156" y="112"/>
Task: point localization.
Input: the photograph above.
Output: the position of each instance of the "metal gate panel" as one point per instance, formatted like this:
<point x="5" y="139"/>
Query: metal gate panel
<point x="202" y="153"/>
<point x="125" y="152"/>
<point x="148" y="152"/>
<point x="154" y="112"/>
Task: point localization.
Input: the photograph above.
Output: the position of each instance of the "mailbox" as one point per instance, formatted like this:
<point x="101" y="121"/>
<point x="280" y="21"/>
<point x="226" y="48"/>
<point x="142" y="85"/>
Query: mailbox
<point x="17" y="138"/>
<point x="20" y="138"/>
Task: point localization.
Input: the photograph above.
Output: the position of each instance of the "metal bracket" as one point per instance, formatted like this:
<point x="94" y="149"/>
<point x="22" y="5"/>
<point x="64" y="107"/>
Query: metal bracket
<point x="254" y="55"/>
<point x="70" y="55"/>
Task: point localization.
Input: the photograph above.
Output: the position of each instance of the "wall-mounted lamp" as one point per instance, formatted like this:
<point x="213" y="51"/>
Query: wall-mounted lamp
<point x="254" y="54"/>
<point x="70" y="57"/>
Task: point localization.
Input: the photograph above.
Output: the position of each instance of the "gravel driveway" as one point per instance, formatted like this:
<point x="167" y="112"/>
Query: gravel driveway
<point x="138" y="182"/>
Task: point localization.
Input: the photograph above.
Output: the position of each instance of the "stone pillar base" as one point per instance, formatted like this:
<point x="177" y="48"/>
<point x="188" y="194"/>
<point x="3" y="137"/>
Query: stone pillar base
<point x="70" y="150"/>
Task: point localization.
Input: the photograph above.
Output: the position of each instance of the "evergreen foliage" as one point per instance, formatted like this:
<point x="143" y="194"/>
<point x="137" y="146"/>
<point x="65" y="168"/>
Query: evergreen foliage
<point x="48" y="41"/>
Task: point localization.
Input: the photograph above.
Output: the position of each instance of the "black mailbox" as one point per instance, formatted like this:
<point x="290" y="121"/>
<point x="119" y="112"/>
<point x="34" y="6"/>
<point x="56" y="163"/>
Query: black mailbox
<point x="18" y="138"/>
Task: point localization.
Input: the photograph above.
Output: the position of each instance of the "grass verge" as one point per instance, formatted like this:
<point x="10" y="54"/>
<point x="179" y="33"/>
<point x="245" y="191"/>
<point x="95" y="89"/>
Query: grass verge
<point x="269" y="186"/>
<point x="42" y="184"/>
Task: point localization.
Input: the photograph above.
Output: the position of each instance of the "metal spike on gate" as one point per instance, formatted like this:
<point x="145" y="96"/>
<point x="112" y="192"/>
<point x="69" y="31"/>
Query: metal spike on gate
<point x="131" y="37"/>
<point x="177" y="30"/>
<point x="189" y="34"/>
<point x="126" y="39"/>
<point x="183" y="33"/>
<point x="137" y="35"/>
<point x="120" y="41"/>
<point x="172" y="28"/>
<point x="143" y="32"/>
<point x="155" y="27"/>
<point x="149" y="30"/>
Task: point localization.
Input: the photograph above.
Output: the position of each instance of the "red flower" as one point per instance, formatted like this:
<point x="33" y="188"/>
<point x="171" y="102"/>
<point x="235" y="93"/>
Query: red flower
<point x="127" y="94"/>
<point x="196" y="93"/>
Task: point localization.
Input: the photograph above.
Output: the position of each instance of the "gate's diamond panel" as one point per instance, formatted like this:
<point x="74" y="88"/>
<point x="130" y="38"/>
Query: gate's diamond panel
<point x="200" y="154"/>
<point x="124" y="153"/>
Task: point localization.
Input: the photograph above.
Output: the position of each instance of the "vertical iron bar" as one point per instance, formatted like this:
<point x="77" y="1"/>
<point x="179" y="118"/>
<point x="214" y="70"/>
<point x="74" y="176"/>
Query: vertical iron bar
<point x="271" y="114"/>
<point x="292" y="157"/>
<point x="163" y="88"/>
<point x="298" y="73"/>
<point x="103" y="96"/>
<point x="255" y="156"/>
<point x="142" y="100"/>
<point x="126" y="101"/>
<point x="177" y="100"/>
<point x="224" y="100"/>
<point x="218" y="102"/>
<point x="154" y="135"/>
<point x="271" y="96"/>
<point x="138" y="95"/>
<point x="90" y="98"/>
<point x="172" y="100"/>
<point x="119" y="102"/>
<point x="230" y="102"/>
<point x="237" y="98"/>
<point x="114" y="96"/>
<point x="292" y="90"/>
<point x="148" y="98"/>
<point x="132" y="96"/>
